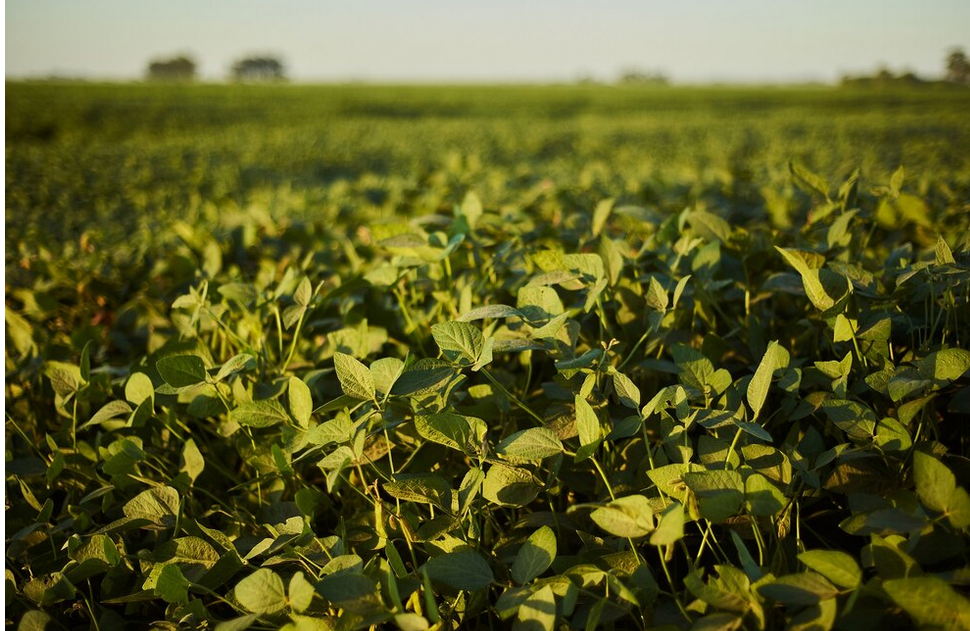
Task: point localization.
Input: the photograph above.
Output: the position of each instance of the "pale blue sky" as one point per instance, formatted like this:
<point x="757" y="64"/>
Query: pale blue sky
<point x="529" y="40"/>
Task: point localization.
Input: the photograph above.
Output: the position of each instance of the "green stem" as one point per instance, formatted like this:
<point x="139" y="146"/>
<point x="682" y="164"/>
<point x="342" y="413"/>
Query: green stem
<point x="512" y="397"/>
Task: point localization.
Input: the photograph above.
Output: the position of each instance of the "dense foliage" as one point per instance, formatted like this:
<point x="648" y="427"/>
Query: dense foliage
<point x="337" y="358"/>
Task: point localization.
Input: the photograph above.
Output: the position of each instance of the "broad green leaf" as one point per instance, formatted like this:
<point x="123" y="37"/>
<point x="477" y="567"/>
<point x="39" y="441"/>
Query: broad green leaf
<point x="411" y="622"/>
<point x="65" y="378"/>
<point x="355" y="379"/>
<point x="509" y="486"/>
<point x="259" y="414"/>
<point x="300" y="592"/>
<point x="192" y="460"/>
<point x="818" y="617"/>
<point x="810" y="278"/>
<point x="930" y="602"/>
<point x="464" y="433"/>
<point x="426" y="488"/>
<point x="600" y="214"/>
<point x="138" y="388"/>
<point x="720" y="494"/>
<point x="459" y="341"/>
<point x="629" y="516"/>
<point x="626" y="390"/>
<point x="180" y="371"/>
<point x="538" y="612"/>
<point x="300" y="400"/>
<point x="490" y="312"/>
<point x="386" y="372"/>
<point x="461" y="570"/>
<point x="838" y="567"/>
<point x="172" y="586"/>
<point x="303" y="293"/>
<point x="806" y="588"/>
<point x="588" y="426"/>
<point x="535" y="556"/>
<point x="656" y="297"/>
<point x="944" y="256"/>
<point x="534" y="443"/>
<point x="109" y="411"/>
<point x="775" y="357"/>
<point x="235" y="364"/>
<point x="935" y="483"/>
<point x="809" y="181"/>
<point x="240" y="623"/>
<point x="670" y="530"/>
<point x="762" y="497"/>
<point x="946" y="365"/>
<point x="159" y="505"/>
<point x="425" y="375"/>
<point x="261" y="592"/>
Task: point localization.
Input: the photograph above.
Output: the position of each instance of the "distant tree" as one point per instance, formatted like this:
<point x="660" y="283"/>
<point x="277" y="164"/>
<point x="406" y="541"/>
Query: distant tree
<point x="634" y="76"/>
<point x="958" y="67"/>
<point x="258" y="69"/>
<point x="179" y="68"/>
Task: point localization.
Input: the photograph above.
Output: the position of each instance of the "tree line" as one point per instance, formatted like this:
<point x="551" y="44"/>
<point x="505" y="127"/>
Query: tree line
<point x="956" y="71"/>
<point x="184" y="68"/>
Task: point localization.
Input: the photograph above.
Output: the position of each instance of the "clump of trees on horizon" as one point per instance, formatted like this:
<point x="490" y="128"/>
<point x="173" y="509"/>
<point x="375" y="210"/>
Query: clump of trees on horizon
<point x="183" y="68"/>
<point x="957" y="72"/>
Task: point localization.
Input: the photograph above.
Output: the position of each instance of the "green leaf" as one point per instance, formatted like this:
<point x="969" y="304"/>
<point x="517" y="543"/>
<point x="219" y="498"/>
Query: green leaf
<point x="944" y="256"/>
<point x="261" y="592"/>
<point x="935" y="483"/>
<point x="806" y="588"/>
<point x="422" y="377"/>
<point x="626" y="390"/>
<point x="259" y="414"/>
<point x="233" y="365"/>
<point x="460" y="570"/>
<point x="600" y="214"/>
<point x="509" y="486"/>
<point x="629" y="516"/>
<point x="810" y="278"/>
<point x="426" y="488"/>
<point x="459" y="340"/>
<point x="670" y="530"/>
<point x="762" y="497"/>
<point x="138" y="388"/>
<point x="110" y="410"/>
<point x="386" y="371"/>
<point x="490" y="312"/>
<point x="819" y="617"/>
<point x="656" y="297"/>
<point x="65" y="378"/>
<point x="181" y="371"/>
<point x="720" y="494"/>
<point x="300" y="592"/>
<point x="192" y="460"/>
<point x="534" y="443"/>
<point x="588" y="426"/>
<point x="159" y="505"/>
<point x="463" y="433"/>
<point x="303" y="293"/>
<point x="237" y="624"/>
<point x="930" y="602"/>
<point x="809" y="181"/>
<point x="775" y="357"/>
<point x="947" y="365"/>
<point x="535" y="556"/>
<point x="538" y="612"/>
<point x="355" y="379"/>
<point x="172" y="586"/>
<point x="838" y="567"/>
<point x="301" y="401"/>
